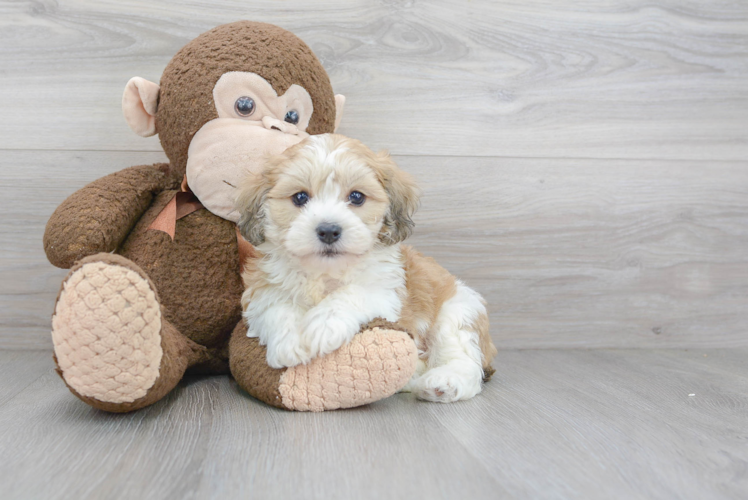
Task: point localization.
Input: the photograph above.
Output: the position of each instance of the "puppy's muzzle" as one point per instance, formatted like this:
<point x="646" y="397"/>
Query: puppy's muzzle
<point x="329" y="233"/>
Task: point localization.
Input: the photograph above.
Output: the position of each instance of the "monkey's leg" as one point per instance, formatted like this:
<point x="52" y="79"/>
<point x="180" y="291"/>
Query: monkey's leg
<point x="377" y="363"/>
<point x="113" y="347"/>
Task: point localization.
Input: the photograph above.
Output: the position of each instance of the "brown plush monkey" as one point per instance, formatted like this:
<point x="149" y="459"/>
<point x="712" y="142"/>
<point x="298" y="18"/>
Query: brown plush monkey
<point x="155" y="282"/>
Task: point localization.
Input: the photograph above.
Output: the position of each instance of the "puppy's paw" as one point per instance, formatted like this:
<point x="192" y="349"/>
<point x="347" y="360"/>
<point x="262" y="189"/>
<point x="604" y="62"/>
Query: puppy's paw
<point x="287" y="352"/>
<point x="445" y="385"/>
<point x="323" y="331"/>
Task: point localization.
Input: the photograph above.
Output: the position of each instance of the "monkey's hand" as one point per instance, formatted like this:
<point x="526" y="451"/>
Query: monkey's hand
<point x="98" y="217"/>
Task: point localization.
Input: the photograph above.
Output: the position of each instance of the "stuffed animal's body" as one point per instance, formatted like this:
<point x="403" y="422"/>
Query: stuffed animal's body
<point x="155" y="283"/>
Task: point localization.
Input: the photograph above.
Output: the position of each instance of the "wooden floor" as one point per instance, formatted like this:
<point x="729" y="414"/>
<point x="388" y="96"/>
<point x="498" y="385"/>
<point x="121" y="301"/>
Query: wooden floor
<point x="553" y="424"/>
<point x="584" y="167"/>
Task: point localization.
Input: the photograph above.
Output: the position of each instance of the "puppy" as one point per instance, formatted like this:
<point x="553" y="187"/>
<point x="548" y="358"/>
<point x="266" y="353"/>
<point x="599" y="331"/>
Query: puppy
<point x="326" y="218"/>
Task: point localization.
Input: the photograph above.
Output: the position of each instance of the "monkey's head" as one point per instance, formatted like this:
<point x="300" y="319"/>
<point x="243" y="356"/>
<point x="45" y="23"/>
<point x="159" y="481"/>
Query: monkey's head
<point x="227" y="99"/>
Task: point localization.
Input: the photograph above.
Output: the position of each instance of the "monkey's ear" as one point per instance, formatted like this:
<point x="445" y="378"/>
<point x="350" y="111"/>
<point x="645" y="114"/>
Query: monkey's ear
<point x="339" y="103"/>
<point x="139" y="105"/>
<point x="249" y="204"/>
<point x="403" y="194"/>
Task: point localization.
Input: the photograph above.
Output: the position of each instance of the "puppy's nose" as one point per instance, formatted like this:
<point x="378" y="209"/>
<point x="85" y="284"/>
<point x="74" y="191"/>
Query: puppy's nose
<point x="329" y="233"/>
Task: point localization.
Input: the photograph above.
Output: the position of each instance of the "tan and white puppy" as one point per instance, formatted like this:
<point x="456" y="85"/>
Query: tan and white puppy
<point x="326" y="218"/>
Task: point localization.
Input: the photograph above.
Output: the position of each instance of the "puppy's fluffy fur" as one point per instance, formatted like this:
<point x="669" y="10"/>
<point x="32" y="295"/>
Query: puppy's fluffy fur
<point x="306" y="297"/>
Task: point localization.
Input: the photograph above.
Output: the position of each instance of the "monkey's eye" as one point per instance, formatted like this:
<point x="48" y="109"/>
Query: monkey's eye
<point x="244" y="106"/>
<point x="292" y="117"/>
<point x="300" y="198"/>
<point x="356" y="198"/>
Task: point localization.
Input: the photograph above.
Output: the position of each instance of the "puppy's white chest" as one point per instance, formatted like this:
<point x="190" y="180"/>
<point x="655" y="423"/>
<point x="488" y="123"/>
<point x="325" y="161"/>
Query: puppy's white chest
<point x="317" y="290"/>
<point x="331" y="284"/>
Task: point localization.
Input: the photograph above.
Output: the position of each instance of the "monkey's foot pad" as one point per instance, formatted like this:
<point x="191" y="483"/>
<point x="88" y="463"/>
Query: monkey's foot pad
<point x="106" y="332"/>
<point x="376" y="364"/>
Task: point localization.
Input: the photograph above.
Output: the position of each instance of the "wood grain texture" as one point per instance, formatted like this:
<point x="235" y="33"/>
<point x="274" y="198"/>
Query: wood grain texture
<point x="568" y="253"/>
<point x="552" y="424"/>
<point x="492" y="106"/>
<point x="611" y="424"/>
<point x="591" y="253"/>
<point x="609" y="79"/>
<point x="19" y="370"/>
<point x="28" y="196"/>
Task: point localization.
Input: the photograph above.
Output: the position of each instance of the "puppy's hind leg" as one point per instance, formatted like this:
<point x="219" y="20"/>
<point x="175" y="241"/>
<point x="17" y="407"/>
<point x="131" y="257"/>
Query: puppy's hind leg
<point x="455" y="362"/>
<point x="421" y="368"/>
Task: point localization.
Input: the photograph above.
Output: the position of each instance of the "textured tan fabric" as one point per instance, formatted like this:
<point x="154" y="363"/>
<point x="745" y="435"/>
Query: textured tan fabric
<point x="178" y="352"/>
<point x="106" y="333"/>
<point x="374" y="365"/>
<point x="377" y="363"/>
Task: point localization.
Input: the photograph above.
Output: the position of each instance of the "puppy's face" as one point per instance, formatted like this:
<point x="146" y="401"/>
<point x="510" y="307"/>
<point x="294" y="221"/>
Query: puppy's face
<point x="327" y="200"/>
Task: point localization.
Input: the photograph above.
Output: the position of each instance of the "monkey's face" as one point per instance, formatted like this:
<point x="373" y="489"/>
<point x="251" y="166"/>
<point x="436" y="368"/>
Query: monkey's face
<point x="230" y="97"/>
<point x="253" y="122"/>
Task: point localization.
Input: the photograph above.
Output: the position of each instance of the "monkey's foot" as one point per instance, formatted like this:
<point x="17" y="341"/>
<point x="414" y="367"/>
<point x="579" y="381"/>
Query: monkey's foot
<point x="377" y="363"/>
<point x="106" y="331"/>
<point x="374" y="365"/>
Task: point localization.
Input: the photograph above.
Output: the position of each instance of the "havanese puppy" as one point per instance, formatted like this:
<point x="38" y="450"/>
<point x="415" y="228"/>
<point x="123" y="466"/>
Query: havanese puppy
<point x="326" y="218"/>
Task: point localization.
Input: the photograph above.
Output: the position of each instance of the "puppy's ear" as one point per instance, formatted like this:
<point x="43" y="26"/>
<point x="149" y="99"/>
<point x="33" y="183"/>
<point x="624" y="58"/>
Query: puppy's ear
<point x="403" y="194"/>
<point x="250" y="205"/>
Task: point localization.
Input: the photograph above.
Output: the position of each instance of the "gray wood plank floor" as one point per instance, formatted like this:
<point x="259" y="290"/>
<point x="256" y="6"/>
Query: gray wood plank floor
<point x="552" y="424"/>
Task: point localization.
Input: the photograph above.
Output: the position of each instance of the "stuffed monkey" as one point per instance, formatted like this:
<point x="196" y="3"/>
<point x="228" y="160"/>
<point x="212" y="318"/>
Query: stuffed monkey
<point x="154" y="254"/>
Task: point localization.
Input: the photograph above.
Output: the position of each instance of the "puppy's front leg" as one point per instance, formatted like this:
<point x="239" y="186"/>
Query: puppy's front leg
<point x="339" y="316"/>
<point x="277" y="327"/>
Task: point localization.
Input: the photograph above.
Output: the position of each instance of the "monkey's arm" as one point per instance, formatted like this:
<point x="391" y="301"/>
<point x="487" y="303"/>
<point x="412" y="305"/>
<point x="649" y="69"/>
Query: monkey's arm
<point x="98" y="217"/>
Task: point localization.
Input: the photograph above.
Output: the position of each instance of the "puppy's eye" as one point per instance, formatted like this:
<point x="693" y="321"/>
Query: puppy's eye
<point x="292" y="117"/>
<point x="244" y="106"/>
<point x="300" y="198"/>
<point x="356" y="198"/>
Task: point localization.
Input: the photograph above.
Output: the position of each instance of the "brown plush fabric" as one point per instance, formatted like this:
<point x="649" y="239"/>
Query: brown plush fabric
<point x="279" y="56"/>
<point x="197" y="274"/>
<point x="384" y="325"/>
<point x="212" y="361"/>
<point x="250" y="370"/>
<point x="98" y="217"/>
